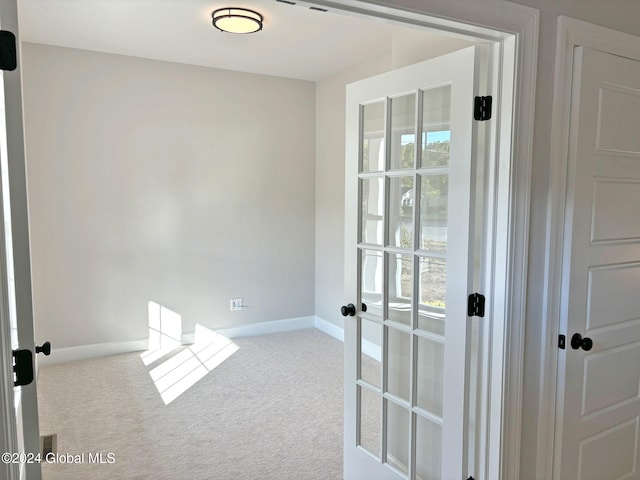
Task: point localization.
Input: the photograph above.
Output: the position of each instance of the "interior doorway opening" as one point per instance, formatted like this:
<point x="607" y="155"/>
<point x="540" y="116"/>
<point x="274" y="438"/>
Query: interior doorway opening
<point x="506" y="43"/>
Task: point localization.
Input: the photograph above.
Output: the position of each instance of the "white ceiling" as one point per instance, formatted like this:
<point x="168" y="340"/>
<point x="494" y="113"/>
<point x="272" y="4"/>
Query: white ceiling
<point x="296" y="42"/>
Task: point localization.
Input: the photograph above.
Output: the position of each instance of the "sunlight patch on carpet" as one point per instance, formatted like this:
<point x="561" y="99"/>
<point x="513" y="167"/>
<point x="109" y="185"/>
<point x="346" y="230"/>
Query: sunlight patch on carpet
<point x="165" y="333"/>
<point x="179" y="373"/>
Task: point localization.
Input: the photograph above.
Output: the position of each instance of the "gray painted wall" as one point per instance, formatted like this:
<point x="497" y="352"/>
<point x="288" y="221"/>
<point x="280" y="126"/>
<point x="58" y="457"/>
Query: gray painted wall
<point x="330" y="187"/>
<point x="152" y="181"/>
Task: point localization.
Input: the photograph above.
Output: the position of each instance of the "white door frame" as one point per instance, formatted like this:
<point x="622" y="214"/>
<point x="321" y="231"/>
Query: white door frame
<point x="8" y="435"/>
<point x="571" y="33"/>
<point x="514" y="29"/>
<point x="22" y="266"/>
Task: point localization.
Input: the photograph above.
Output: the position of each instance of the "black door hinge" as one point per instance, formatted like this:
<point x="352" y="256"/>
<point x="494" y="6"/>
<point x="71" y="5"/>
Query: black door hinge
<point x="562" y="342"/>
<point x="475" y="305"/>
<point x="8" y="55"/>
<point x="22" y="367"/>
<point x="482" y="108"/>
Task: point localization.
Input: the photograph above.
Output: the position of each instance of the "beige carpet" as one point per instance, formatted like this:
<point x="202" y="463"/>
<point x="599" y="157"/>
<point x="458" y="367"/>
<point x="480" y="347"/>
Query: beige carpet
<point x="273" y="410"/>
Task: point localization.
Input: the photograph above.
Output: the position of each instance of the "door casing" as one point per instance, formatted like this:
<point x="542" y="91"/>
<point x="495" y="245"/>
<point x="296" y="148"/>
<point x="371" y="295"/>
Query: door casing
<point x="571" y="33"/>
<point x="514" y="30"/>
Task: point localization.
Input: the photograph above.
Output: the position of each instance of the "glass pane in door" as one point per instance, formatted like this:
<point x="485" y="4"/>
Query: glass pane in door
<point x="373" y="146"/>
<point x="430" y="375"/>
<point x="428" y="449"/>
<point x="397" y="433"/>
<point x="434" y="198"/>
<point x="432" y="288"/>
<point x="371" y="352"/>
<point x="372" y="191"/>
<point x="400" y="214"/>
<point x="371" y="272"/>
<point x="370" y="421"/>
<point x="398" y="355"/>
<point x="436" y="130"/>
<point x="400" y="285"/>
<point x="403" y="131"/>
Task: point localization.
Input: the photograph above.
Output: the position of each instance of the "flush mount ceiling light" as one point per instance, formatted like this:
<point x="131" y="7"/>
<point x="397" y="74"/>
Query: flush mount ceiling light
<point x="237" y="20"/>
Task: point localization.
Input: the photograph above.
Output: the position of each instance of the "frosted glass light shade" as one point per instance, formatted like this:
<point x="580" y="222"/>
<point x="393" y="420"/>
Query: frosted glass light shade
<point x="237" y="20"/>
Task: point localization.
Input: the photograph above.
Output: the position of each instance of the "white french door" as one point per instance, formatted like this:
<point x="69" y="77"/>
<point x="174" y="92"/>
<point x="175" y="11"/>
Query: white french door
<point x="410" y="182"/>
<point x="20" y="405"/>
<point x="598" y="417"/>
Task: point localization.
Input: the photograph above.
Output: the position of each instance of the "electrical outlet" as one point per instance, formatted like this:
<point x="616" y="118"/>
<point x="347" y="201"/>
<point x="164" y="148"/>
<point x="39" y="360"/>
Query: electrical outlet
<point x="235" y="304"/>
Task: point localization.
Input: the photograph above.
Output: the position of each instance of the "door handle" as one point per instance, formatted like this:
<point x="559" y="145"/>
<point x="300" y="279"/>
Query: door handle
<point x="348" y="310"/>
<point x="45" y="348"/>
<point x="23" y="364"/>
<point x="578" y="341"/>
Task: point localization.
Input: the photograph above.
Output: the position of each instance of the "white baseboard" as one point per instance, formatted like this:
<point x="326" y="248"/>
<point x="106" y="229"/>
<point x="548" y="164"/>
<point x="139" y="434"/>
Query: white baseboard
<point x="372" y="350"/>
<point x="188" y="338"/>
<point x="329" y="328"/>
<point x="265" y="328"/>
<point x="368" y="348"/>
<point x="85" y="352"/>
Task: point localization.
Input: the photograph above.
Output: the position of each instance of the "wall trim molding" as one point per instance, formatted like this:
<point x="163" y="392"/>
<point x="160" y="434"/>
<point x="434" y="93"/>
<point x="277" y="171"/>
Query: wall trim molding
<point x="86" y="352"/>
<point x="370" y="349"/>
<point x="96" y="350"/>
<point x="265" y="328"/>
<point x="329" y="328"/>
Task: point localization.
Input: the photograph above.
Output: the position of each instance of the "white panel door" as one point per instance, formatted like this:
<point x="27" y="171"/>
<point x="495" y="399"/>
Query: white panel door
<point x="410" y="138"/>
<point x="598" y="423"/>
<point x="23" y="432"/>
